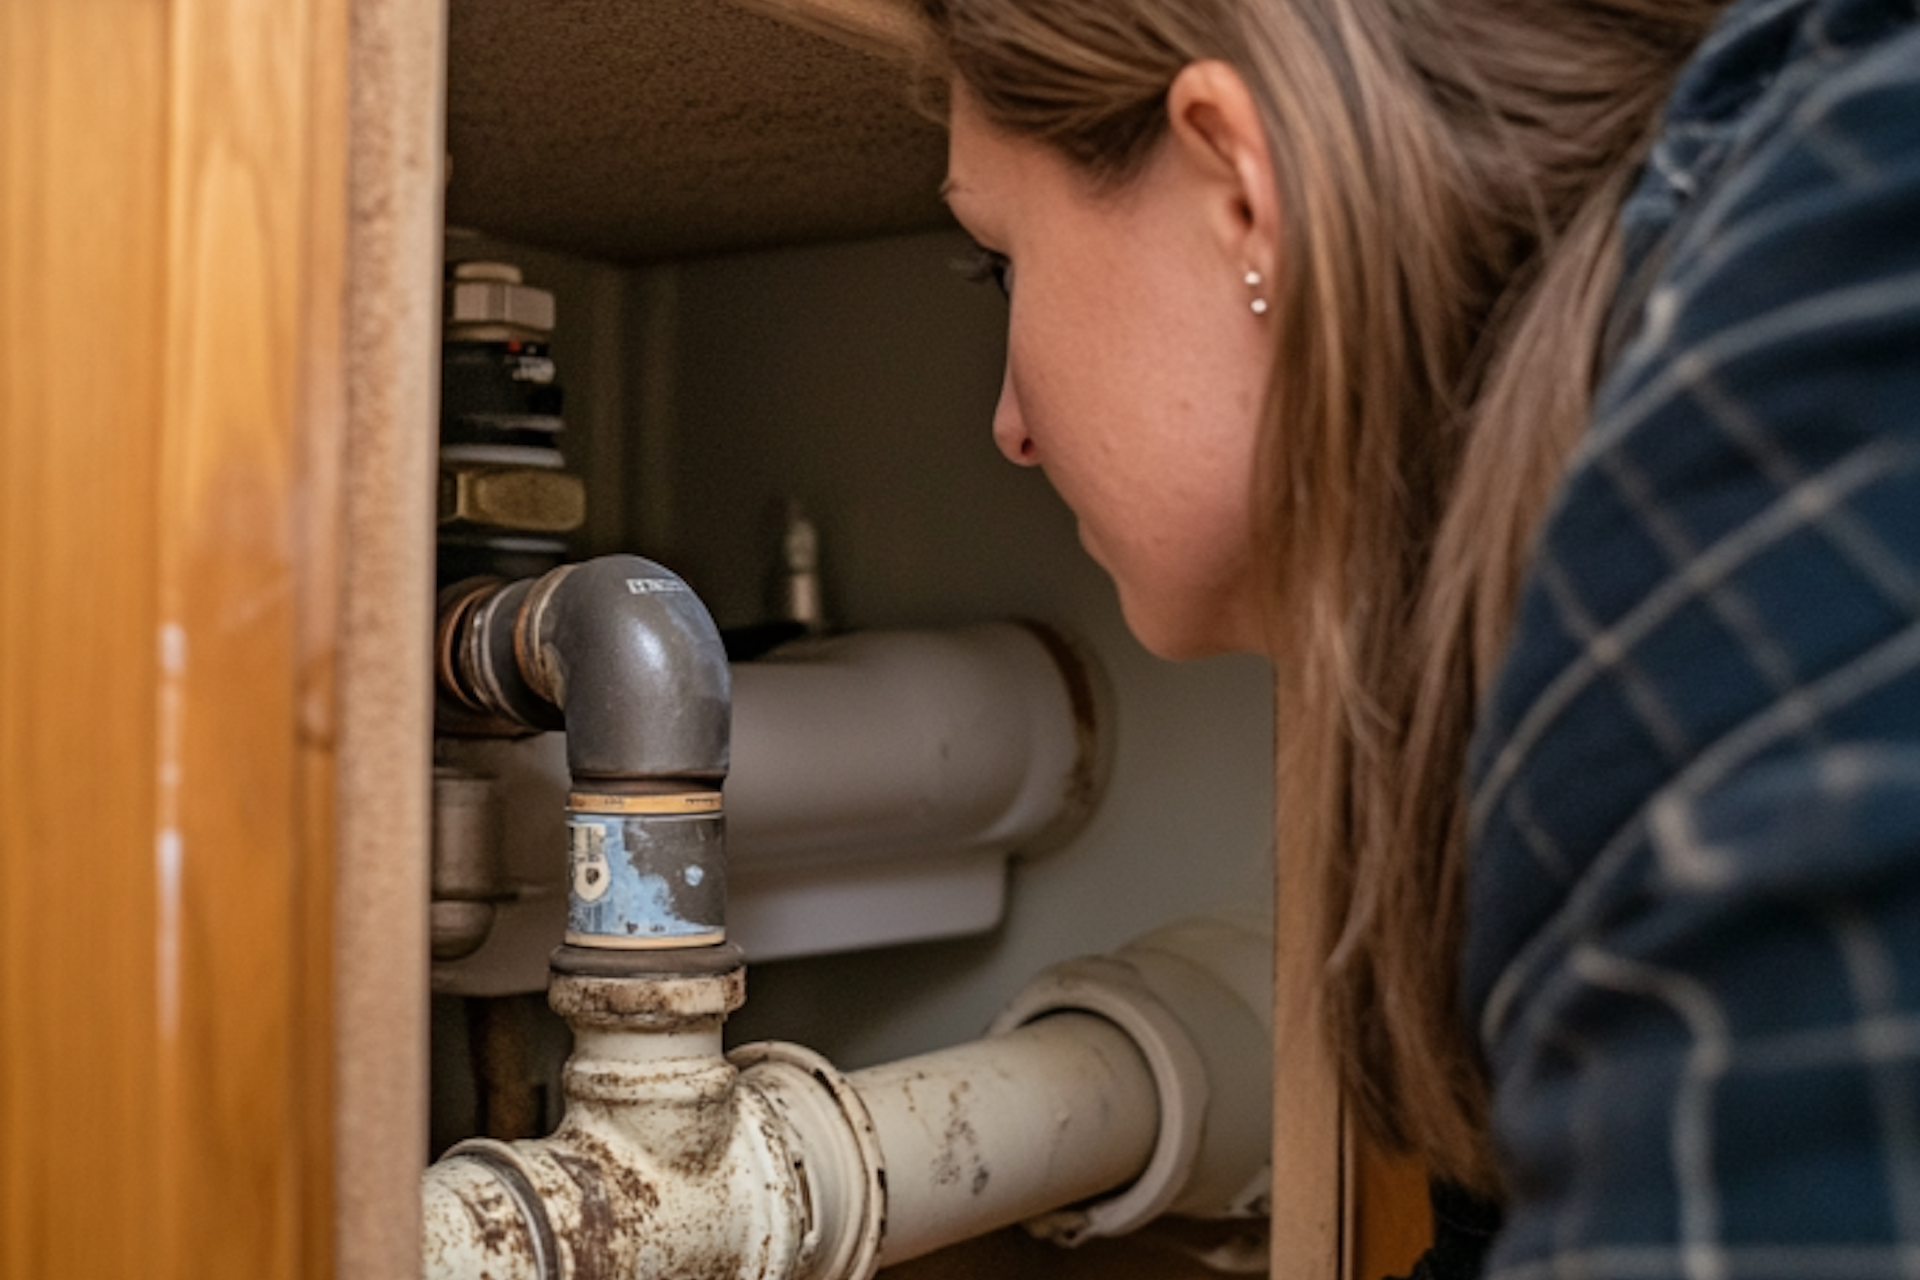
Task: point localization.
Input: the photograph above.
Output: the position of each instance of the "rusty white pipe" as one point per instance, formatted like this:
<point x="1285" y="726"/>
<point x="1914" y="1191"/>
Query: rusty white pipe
<point x="992" y="1133"/>
<point x="675" y="1163"/>
<point x="478" y="1221"/>
<point x="1114" y="1089"/>
<point x="665" y="1166"/>
<point x="1111" y="1090"/>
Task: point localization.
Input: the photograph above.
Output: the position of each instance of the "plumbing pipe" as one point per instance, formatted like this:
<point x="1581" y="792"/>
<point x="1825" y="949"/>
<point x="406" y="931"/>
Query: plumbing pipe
<point x="664" y="1166"/>
<point x="1008" y="1128"/>
<point x="878" y="781"/>
<point x="1197" y="999"/>
<point x="622" y="654"/>
<point x="674" y="1161"/>
<point x="1107" y="1097"/>
<point x="469" y="867"/>
<point x="991" y="736"/>
<point x="604" y="642"/>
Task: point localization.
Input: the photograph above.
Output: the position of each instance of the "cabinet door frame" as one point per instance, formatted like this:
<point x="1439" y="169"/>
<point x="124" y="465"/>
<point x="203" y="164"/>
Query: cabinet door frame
<point x="218" y="249"/>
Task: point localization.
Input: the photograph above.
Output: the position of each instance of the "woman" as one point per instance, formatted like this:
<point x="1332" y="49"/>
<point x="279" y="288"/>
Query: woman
<point x="1537" y="383"/>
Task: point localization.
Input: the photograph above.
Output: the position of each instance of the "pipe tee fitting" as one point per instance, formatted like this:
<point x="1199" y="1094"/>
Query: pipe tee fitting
<point x="666" y="1165"/>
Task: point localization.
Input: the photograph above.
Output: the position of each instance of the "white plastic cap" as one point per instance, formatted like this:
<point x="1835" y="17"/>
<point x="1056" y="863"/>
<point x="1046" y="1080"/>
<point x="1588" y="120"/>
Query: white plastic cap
<point x="491" y="293"/>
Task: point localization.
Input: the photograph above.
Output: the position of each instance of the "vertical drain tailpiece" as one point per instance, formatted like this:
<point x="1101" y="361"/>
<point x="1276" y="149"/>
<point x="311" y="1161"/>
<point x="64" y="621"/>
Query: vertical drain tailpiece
<point x="623" y="655"/>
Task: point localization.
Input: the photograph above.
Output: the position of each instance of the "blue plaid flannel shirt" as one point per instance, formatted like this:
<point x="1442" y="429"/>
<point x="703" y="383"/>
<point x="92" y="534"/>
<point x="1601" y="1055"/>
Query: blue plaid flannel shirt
<point x="1694" y="951"/>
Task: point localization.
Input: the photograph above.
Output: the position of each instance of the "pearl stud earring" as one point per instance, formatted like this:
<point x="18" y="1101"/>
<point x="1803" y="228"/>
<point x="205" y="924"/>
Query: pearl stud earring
<point x="1254" y="281"/>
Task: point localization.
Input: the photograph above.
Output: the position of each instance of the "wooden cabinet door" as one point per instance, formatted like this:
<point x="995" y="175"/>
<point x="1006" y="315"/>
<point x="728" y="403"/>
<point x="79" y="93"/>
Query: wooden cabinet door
<point x="174" y="430"/>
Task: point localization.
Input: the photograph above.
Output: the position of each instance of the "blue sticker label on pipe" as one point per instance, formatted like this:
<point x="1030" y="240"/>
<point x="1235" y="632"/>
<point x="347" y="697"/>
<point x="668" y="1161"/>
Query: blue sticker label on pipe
<point x="645" y="881"/>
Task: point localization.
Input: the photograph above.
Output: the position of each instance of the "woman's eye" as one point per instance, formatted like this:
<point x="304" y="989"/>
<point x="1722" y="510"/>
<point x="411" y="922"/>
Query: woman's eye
<point x="983" y="265"/>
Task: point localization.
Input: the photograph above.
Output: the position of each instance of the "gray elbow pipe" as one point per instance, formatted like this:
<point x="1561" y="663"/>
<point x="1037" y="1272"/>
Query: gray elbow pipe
<point x="623" y="655"/>
<point x="632" y="658"/>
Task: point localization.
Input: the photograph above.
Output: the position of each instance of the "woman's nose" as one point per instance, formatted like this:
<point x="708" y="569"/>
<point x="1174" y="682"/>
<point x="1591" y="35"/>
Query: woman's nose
<point x="1010" y="428"/>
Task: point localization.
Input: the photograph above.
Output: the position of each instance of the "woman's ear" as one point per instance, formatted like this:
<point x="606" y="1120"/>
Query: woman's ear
<point x="1215" y="123"/>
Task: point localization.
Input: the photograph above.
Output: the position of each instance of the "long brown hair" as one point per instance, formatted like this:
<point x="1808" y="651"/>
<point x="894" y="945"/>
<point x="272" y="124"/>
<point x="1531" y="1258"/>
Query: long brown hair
<point x="1448" y="173"/>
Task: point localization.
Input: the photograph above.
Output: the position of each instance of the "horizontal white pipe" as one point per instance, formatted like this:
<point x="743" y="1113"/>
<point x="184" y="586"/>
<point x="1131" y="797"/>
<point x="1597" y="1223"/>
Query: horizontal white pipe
<point x="1196" y="998"/>
<point x="920" y="741"/>
<point x="928" y="1152"/>
<point x="472" y="1226"/>
<point x="1003" y="1129"/>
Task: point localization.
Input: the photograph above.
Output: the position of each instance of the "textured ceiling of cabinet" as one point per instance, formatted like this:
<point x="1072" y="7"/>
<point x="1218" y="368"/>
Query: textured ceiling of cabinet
<point x="633" y="130"/>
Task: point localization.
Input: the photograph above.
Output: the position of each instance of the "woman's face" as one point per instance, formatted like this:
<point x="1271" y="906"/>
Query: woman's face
<point x="1136" y="370"/>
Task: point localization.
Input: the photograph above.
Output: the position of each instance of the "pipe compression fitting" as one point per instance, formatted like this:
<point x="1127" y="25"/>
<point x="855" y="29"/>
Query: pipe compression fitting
<point x="622" y="654"/>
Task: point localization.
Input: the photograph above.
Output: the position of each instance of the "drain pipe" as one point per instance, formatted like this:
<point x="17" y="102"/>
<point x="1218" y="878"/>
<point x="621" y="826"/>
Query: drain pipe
<point x="1112" y="1090"/>
<point x="674" y="1161"/>
<point x="662" y="1165"/>
<point x="621" y="654"/>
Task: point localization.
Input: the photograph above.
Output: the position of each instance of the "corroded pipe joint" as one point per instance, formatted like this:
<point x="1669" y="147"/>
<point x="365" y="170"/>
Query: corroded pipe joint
<point x="630" y="653"/>
<point x="669" y="1169"/>
<point x="474" y="662"/>
<point x="646" y="872"/>
<point x="622" y="654"/>
<point x="669" y="1002"/>
<point x="634" y="658"/>
<point x="666" y="1165"/>
<point x="618" y="651"/>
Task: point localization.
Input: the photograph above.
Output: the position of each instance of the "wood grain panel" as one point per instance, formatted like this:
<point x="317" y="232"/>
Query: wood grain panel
<point x="171" y="246"/>
<point x="79" y="384"/>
